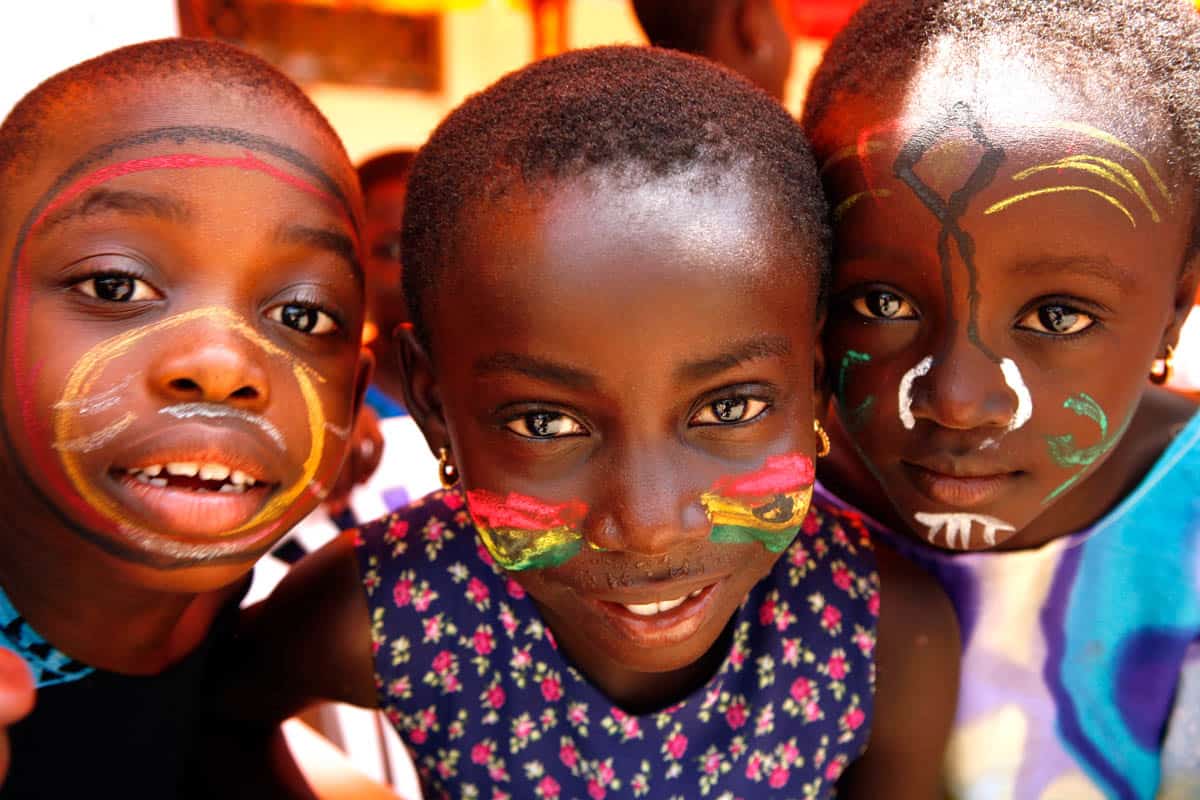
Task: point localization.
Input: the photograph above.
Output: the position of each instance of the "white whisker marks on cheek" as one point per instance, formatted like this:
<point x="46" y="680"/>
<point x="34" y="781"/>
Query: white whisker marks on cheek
<point x="93" y="441"/>
<point x="906" y="387"/>
<point x="1024" y="410"/>
<point x="101" y="401"/>
<point x="958" y="526"/>
<point x="217" y="411"/>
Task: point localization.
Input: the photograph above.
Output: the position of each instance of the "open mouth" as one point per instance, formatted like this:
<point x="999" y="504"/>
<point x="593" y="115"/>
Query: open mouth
<point x="658" y="606"/>
<point x="661" y="622"/>
<point x="193" y="498"/>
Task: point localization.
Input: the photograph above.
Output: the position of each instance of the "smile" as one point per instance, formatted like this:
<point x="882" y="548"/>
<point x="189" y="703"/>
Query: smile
<point x="667" y="621"/>
<point x="658" y="606"/>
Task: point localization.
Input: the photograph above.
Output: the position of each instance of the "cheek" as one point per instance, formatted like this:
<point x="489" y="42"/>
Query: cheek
<point x="1080" y="430"/>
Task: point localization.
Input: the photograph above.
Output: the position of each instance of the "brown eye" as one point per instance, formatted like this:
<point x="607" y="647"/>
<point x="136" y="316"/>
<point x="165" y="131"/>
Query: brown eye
<point x="1057" y="319"/>
<point x="545" y="425"/>
<point x="117" y="288"/>
<point x="303" y="318"/>
<point x="882" y="304"/>
<point x="729" y="410"/>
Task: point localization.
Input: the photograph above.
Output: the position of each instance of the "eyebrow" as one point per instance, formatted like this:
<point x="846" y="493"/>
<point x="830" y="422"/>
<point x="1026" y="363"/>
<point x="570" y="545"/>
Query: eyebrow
<point x="1099" y="267"/>
<point x="102" y="201"/>
<point x="537" y="368"/>
<point x="753" y="349"/>
<point x="327" y="239"/>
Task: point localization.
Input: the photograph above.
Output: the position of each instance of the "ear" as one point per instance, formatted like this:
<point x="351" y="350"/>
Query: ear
<point x="362" y="378"/>
<point x="752" y="28"/>
<point x="421" y="394"/>
<point x="1185" y="298"/>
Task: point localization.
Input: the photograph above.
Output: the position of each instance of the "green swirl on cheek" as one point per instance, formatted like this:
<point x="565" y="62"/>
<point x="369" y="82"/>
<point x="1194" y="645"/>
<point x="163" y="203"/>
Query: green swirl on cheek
<point x="1063" y="449"/>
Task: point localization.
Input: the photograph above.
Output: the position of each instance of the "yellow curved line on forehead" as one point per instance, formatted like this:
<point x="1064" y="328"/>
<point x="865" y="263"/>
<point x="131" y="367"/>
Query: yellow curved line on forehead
<point x="1108" y="138"/>
<point x="852" y="200"/>
<point x="870" y="147"/>
<point x="89" y="367"/>
<point x="1003" y="204"/>
<point x="1105" y="168"/>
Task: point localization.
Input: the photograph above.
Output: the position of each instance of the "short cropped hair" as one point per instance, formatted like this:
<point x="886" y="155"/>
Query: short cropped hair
<point x="1146" y="55"/>
<point x="678" y="26"/>
<point x="392" y="165"/>
<point x="22" y="133"/>
<point x="638" y="111"/>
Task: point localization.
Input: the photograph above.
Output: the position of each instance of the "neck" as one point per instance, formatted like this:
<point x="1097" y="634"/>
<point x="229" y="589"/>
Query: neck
<point x="82" y="601"/>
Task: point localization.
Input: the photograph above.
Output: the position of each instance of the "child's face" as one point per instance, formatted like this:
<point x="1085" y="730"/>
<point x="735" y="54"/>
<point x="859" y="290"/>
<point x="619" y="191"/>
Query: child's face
<point x="181" y="329"/>
<point x="611" y="363"/>
<point x="1000" y="292"/>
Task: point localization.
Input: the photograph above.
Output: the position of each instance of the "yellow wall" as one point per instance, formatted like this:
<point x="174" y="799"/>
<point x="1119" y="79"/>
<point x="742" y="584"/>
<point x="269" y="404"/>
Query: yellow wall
<point x="479" y="46"/>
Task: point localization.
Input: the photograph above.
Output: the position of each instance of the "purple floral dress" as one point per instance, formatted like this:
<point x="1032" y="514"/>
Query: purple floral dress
<point x="473" y="681"/>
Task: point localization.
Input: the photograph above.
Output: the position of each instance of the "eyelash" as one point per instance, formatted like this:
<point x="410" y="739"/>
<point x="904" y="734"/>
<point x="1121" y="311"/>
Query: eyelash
<point x="1070" y="305"/>
<point x="858" y="303"/>
<point x="524" y="421"/>
<point x="750" y="401"/>
<point x="77" y="285"/>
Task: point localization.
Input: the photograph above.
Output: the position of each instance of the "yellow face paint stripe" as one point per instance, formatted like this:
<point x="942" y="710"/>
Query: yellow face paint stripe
<point x="849" y="202"/>
<point x="1108" y="138"/>
<point x="1003" y="204"/>
<point x="870" y="147"/>
<point x="1105" y="168"/>
<point x="89" y="367"/>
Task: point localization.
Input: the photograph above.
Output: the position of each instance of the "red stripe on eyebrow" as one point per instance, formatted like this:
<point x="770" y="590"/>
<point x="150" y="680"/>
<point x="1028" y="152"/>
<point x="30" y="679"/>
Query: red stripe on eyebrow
<point x="22" y="383"/>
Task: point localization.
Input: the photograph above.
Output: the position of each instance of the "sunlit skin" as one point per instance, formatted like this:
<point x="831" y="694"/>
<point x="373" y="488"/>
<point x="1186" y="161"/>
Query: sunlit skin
<point x="1081" y="278"/>
<point x="539" y="396"/>
<point x="214" y="306"/>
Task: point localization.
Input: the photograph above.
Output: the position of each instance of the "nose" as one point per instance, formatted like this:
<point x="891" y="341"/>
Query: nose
<point x="650" y="512"/>
<point x="962" y="388"/>
<point x="212" y="366"/>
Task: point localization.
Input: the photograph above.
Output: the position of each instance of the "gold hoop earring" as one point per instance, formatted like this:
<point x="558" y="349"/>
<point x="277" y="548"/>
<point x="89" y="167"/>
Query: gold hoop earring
<point x="1160" y="375"/>
<point x="447" y="472"/>
<point x="823" y="437"/>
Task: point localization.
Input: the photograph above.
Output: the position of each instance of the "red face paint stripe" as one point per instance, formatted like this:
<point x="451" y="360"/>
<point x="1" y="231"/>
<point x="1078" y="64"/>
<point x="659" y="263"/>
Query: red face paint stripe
<point x="18" y="325"/>
<point x="783" y="473"/>
<point x="523" y="512"/>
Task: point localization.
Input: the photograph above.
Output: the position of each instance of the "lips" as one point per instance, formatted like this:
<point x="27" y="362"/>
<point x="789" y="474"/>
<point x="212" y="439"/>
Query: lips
<point x="523" y="532"/>
<point x="674" y="616"/>
<point x="963" y="489"/>
<point x="194" y="480"/>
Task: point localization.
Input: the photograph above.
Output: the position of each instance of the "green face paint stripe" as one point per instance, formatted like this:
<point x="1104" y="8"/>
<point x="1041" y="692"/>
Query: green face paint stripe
<point x="553" y="557"/>
<point x="1063" y="449"/>
<point x="774" y="541"/>
<point x="854" y="418"/>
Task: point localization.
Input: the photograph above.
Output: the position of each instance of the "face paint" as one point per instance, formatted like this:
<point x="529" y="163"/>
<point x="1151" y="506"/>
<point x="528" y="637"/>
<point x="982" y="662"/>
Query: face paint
<point x="94" y="441"/>
<point x="100" y="401"/>
<point x="92" y="365"/>
<point x="1063" y="449"/>
<point x="841" y="209"/>
<point x="1012" y="377"/>
<point x="522" y="532"/>
<point x="218" y="411"/>
<point x="958" y="526"/>
<point x="766" y="506"/>
<point x="341" y="432"/>
<point x="906" y="384"/>
<point x="854" y="418"/>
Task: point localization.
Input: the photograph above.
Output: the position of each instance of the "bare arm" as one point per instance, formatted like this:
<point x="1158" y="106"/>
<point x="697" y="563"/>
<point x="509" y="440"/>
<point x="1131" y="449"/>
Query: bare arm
<point x="917" y="662"/>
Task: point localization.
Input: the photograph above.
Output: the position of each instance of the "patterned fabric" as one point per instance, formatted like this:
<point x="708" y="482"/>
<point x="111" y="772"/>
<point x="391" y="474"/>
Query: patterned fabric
<point x="473" y="681"/>
<point x="48" y="664"/>
<point x="1072" y="653"/>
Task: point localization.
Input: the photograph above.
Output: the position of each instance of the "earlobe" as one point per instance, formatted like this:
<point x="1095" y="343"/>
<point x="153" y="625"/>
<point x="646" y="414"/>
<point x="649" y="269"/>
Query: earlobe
<point x="420" y="388"/>
<point x="1185" y="299"/>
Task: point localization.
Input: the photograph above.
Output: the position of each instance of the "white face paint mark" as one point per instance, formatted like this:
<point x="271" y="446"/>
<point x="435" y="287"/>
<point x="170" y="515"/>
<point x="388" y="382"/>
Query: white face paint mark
<point x="958" y="526"/>
<point x="217" y="411"/>
<point x="101" y="401"/>
<point x="1012" y="376"/>
<point x="988" y="443"/>
<point x="906" y="385"/>
<point x="93" y="441"/>
<point x="339" y="432"/>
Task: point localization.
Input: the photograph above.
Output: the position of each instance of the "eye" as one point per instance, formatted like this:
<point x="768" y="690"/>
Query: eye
<point x="303" y="318"/>
<point x="882" y="304"/>
<point x="546" y="425"/>
<point x="729" y="411"/>
<point x="1056" y="319"/>
<point x="117" y="288"/>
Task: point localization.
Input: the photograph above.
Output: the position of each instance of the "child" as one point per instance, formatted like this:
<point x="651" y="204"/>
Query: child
<point x="614" y="263"/>
<point x="182" y="313"/>
<point x="1013" y="188"/>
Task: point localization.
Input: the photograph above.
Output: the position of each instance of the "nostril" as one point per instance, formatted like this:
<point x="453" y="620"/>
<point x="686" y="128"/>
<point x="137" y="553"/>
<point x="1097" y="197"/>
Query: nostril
<point x="245" y="393"/>
<point x="185" y="385"/>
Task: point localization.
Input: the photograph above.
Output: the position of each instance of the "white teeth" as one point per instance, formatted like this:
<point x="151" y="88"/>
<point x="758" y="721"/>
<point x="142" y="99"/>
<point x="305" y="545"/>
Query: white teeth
<point x="213" y="472"/>
<point x="159" y="482"/>
<point x="696" y="593"/>
<point x="152" y="470"/>
<point x="185" y="468"/>
<point x="660" y="607"/>
<point x="229" y="488"/>
<point x="239" y="478"/>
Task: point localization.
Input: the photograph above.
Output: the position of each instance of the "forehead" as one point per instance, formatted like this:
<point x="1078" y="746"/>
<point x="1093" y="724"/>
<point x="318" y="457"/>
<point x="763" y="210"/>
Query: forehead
<point x="622" y="260"/>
